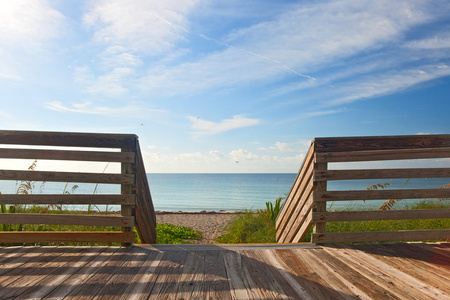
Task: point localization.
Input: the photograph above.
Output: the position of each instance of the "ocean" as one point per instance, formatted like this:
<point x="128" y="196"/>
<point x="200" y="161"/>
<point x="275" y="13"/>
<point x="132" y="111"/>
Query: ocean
<point x="231" y="192"/>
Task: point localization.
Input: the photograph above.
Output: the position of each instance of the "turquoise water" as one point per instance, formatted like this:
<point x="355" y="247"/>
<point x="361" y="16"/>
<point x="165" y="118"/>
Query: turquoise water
<point x="197" y="192"/>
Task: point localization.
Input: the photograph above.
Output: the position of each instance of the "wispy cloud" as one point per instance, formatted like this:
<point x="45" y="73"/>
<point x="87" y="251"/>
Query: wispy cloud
<point x="28" y="22"/>
<point x="382" y="84"/>
<point x="90" y="108"/>
<point x="297" y="44"/>
<point x="203" y="127"/>
<point x="436" y="42"/>
<point x="151" y="27"/>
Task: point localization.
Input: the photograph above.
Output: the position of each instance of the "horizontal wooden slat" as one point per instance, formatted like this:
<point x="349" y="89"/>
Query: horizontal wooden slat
<point x="380" y="174"/>
<point x="67" y="199"/>
<point x="66" y="237"/>
<point x="102" y="156"/>
<point x="321" y="196"/>
<point x="63" y="219"/>
<point x="379" y="236"/>
<point x="67" y="177"/>
<point x="375" y="155"/>
<point x="68" y="139"/>
<point x="343" y="216"/>
<point x="381" y="143"/>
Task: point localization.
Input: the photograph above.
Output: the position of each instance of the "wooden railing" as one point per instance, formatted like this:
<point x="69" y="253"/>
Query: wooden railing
<point x="134" y="197"/>
<point x="306" y="203"/>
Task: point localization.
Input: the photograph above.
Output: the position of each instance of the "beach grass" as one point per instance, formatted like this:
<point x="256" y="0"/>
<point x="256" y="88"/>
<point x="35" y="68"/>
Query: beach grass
<point x="255" y="227"/>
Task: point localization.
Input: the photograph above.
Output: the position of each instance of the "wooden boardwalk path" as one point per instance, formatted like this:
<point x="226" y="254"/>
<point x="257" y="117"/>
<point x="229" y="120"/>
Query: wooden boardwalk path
<point x="303" y="271"/>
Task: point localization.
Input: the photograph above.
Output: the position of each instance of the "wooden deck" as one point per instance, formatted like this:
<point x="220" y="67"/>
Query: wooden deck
<point x="302" y="271"/>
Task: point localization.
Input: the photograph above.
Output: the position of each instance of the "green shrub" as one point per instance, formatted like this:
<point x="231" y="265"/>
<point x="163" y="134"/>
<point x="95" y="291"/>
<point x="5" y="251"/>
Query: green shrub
<point x="173" y="234"/>
<point x="250" y="227"/>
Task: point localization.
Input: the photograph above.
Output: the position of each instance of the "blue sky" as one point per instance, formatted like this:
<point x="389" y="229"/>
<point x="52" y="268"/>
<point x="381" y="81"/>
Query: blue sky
<point x="226" y="86"/>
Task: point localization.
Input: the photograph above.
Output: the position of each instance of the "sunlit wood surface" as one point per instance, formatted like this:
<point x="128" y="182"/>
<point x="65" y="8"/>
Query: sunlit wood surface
<point x="303" y="271"/>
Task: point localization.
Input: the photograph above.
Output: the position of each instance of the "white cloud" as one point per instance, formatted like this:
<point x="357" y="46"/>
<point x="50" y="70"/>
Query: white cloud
<point x="304" y="39"/>
<point x="150" y="27"/>
<point x="381" y="84"/>
<point x="236" y="161"/>
<point x="90" y="108"/>
<point x="242" y="155"/>
<point x="436" y="42"/>
<point x="203" y="127"/>
<point x="280" y="147"/>
<point x="24" y="22"/>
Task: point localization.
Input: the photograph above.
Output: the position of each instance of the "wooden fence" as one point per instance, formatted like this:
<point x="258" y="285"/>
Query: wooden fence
<point x="134" y="197"/>
<point x="306" y="203"/>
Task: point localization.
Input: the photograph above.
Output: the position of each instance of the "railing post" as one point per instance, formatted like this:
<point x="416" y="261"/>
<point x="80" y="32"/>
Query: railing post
<point x="126" y="189"/>
<point x="320" y="206"/>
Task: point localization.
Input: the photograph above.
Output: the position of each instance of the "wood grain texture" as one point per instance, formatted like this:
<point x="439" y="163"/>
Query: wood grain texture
<point x="343" y="216"/>
<point x="66" y="237"/>
<point x="68" y="139"/>
<point x="67" y="177"/>
<point x="320" y="196"/>
<point x="65" y="219"/>
<point x="67" y="155"/>
<point x="324" y="175"/>
<point x="40" y="199"/>
<point x="305" y="168"/>
<point x="381" y="143"/>
<point x="375" y="155"/>
<point x="356" y="271"/>
<point x="379" y="236"/>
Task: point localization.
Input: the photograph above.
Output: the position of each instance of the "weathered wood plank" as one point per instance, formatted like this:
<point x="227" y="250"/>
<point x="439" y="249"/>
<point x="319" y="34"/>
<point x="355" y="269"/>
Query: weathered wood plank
<point x="379" y="274"/>
<point x="38" y="199"/>
<point x="63" y="219"/>
<point x="68" y="139"/>
<point x="93" y="284"/>
<point x="342" y="216"/>
<point x="392" y="257"/>
<point x="17" y="280"/>
<point x="102" y="156"/>
<point x="424" y="259"/>
<point x="366" y="288"/>
<point x="305" y="226"/>
<point x="215" y="276"/>
<point x="324" y="175"/>
<point x="299" y="215"/>
<point x="81" y="275"/>
<point x="145" y="212"/>
<point x="169" y="272"/>
<point x="381" y="143"/>
<point x="305" y="169"/>
<point x="67" y="264"/>
<point x="67" y="177"/>
<point x="119" y="282"/>
<point x="331" y="277"/>
<point x="392" y="265"/>
<point x="315" y="284"/>
<point x="298" y="198"/>
<point x="127" y="189"/>
<point x="296" y="282"/>
<point x="320" y="196"/>
<point x="320" y="206"/>
<point x="378" y="236"/>
<point x="66" y="237"/>
<point x="141" y="285"/>
<point x="375" y="155"/>
<point x="14" y="257"/>
<point x="241" y="284"/>
<point x="191" y="284"/>
<point x="268" y="286"/>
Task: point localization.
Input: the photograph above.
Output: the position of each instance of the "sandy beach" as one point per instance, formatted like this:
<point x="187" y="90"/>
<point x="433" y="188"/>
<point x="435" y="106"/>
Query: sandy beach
<point x="209" y="223"/>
